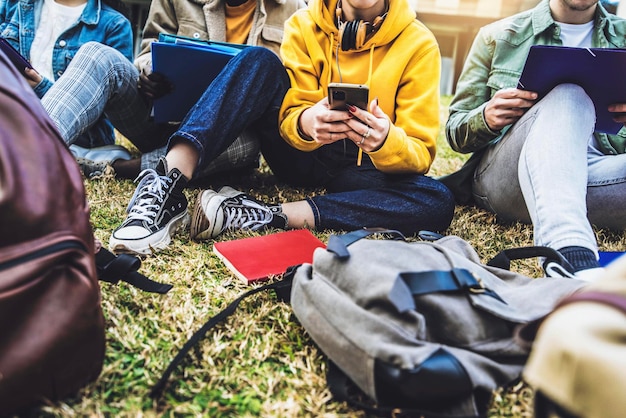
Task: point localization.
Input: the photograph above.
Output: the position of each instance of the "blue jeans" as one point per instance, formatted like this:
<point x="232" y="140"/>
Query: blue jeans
<point x="101" y="81"/>
<point x="248" y="94"/>
<point x="562" y="183"/>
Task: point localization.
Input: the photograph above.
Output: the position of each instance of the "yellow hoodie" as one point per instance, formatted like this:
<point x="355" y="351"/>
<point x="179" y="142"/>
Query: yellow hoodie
<point x="401" y="65"/>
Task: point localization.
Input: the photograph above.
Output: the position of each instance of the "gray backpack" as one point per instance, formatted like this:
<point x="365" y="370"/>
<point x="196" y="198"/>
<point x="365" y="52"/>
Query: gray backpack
<point x="412" y="327"/>
<point x="421" y="326"/>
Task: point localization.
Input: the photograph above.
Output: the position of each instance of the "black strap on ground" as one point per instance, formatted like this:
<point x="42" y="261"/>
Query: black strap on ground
<point x="282" y="288"/>
<point x="113" y="268"/>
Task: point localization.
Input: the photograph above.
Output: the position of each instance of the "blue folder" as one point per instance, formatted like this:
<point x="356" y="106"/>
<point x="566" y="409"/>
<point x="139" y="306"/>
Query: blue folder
<point x="600" y="71"/>
<point x="190" y="65"/>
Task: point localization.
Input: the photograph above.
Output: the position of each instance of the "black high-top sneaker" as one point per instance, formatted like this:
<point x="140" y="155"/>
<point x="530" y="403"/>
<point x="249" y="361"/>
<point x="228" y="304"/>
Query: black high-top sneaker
<point x="157" y="210"/>
<point x="215" y="212"/>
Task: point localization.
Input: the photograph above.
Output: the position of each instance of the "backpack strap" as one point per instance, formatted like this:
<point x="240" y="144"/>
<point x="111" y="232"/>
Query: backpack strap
<point x="283" y="291"/>
<point x="437" y="281"/>
<point x="112" y="268"/>
<point x="338" y="244"/>
<point x="503" y="258"/>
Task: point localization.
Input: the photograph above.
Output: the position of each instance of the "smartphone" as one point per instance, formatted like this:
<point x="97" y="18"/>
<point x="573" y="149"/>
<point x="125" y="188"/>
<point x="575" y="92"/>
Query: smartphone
<point x="340" y="95"/>
<point x="14" y="56"/>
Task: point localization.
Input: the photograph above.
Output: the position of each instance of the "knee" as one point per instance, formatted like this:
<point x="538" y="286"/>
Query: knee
<point x="106" y="63"/>
<point x="262" y="58"/>
<point x="263" y="66"/>
<point x="259" y="54"/>
<point x="99" y="55"/>
<point x="568" y="90"/>
<point x="574" y="99"/>
<point x="95" y="49"/>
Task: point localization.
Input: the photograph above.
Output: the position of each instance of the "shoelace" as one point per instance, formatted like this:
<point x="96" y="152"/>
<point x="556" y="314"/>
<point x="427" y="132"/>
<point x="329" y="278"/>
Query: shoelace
<point x="246" y="215"/>
<point x="150" y="190"/>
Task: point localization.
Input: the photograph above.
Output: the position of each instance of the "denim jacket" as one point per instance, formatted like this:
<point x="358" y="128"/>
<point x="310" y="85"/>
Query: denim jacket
<point x="495" y="62"/>
<point x="98" y="22"/>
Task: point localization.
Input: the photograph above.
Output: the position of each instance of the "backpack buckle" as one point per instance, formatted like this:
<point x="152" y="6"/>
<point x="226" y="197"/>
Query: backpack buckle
<point x="469" y="280"/>
<point x="479" y="286"/>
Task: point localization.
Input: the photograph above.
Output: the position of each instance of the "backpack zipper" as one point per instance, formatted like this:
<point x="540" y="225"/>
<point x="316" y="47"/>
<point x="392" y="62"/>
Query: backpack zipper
<point x="43" y="252"/>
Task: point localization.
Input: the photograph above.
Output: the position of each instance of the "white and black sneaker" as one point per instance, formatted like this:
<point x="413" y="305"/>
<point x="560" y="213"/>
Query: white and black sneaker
<point x="215" y="212"/>
<point x="157" y="210"/>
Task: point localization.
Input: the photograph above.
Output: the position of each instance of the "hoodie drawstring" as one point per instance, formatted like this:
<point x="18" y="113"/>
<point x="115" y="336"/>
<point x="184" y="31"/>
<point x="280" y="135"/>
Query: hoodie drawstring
<point x="359" y="156"/>
<point x="370" y="70"/>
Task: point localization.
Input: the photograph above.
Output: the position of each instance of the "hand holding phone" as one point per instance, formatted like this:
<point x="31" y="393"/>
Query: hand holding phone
<point x="14" y="56"/>
<point x="340" y="95"/>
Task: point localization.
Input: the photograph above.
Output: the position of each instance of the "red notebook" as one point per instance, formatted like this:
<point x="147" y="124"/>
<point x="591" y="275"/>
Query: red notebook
<point x="257" y="258"/>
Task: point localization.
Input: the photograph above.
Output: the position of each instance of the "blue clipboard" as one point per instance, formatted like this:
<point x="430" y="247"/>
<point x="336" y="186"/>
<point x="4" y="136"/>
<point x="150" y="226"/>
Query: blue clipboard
<point x="180" y="39"/>
<point x="190" y="65"/>
<point x="600" y="71"/>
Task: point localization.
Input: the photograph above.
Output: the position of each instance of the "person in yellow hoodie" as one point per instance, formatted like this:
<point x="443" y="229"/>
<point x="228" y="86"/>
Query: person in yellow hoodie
<point x="371" y="162"/>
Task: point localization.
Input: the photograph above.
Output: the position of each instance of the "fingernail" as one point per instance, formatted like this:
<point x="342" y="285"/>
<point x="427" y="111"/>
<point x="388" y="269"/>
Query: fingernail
<point x="352" y="108"/>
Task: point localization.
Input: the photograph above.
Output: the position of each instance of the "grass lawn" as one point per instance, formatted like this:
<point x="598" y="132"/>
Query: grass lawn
<point x="261" y="363"/>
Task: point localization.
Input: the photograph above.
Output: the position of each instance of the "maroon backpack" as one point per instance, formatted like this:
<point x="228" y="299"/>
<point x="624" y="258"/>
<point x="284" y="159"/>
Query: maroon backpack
<point x="51" y="322"/>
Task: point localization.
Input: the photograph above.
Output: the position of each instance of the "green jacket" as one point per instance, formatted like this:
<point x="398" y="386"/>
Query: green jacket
<point x="495" y="62"/>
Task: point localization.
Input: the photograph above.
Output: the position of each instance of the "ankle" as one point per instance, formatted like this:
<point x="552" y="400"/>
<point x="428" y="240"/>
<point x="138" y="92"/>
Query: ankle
<point x="580" y="258"/>
<point x="279" y="218"/>
<point x="127" y="169"/>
